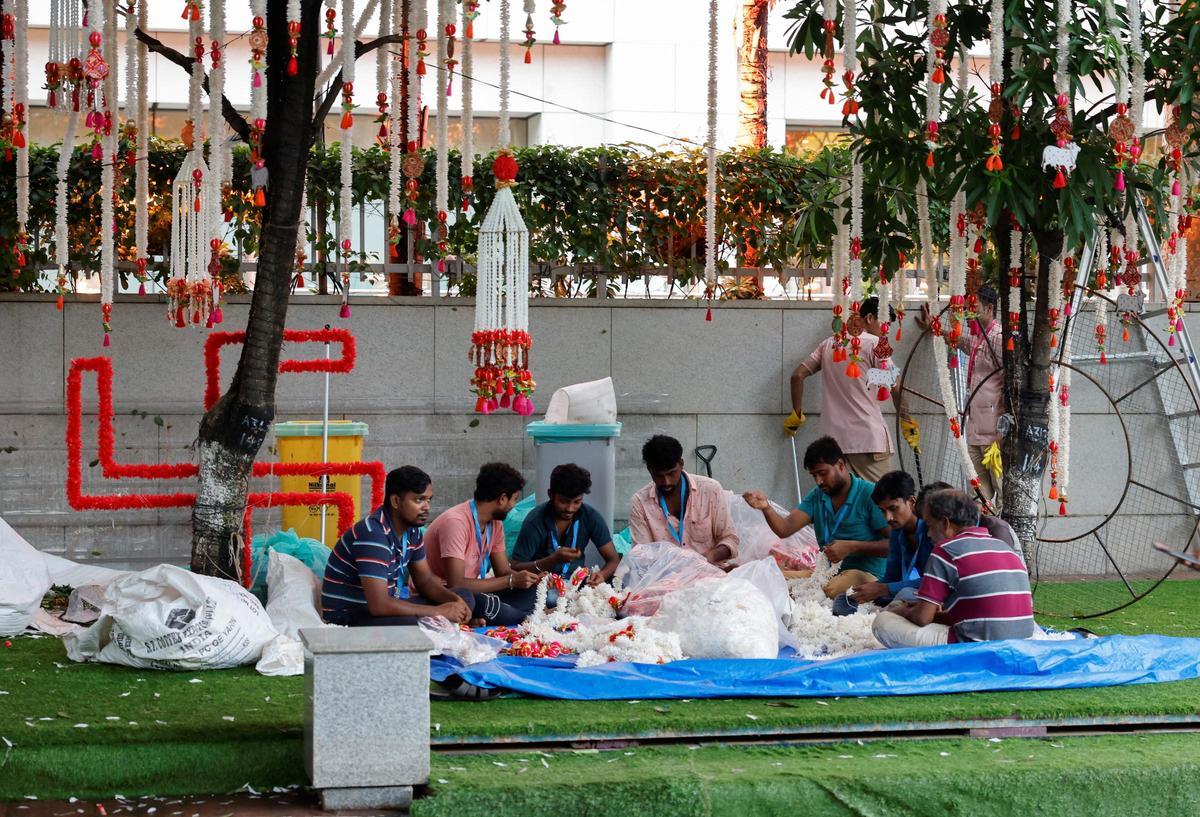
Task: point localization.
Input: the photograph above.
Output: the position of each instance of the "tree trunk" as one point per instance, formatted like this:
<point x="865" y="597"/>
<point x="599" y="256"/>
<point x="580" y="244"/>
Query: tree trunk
<point x="752" y="74"/>
<point x="233" y="431"/>
<point x="1027" y="368"/>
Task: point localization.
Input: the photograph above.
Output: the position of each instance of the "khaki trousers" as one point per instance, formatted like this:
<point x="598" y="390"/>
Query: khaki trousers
<point x="988" y="486"/>
<point x="871" y="466"/>
<point x="838" y="584"/>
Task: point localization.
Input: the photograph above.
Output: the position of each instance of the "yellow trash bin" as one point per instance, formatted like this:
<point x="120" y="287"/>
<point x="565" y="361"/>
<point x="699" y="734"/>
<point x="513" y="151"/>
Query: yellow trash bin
<point x="300" y="441"/>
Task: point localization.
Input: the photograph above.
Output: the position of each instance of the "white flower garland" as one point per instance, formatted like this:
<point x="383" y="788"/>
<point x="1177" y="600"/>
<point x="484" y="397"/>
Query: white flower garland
<point x="1101" y="329"/>
<point x="364" y="17"/>
<point x="445" y="17"/>
<point x="62" y="245"/>
<point x="950" y="405"/>
<point x="65" y="43"/>
<point x="829" y="13"/>
<point x="935" y="75"/>
<point x="958" y="253"/>
<point x="108" y="179"/>
<point x="1062" y="50"/>
<point x="20" y="111"/>
<point x="295" y="18"/>
<point x="216" y="119"/>
<point x="1064" y="424"/>
<point x="818" y="633"/>
<point x="710" y="188"/>
<point x="258" y="70"/>
<point x="383" y="56"/>
<point x="346" y="179"/>
<point x="854" y="245"/>
<point x="1137" y="68"/>
<point x="925" y="235"/>
<point x="1015" y="267"/>
<point x="395" y="144"/>
<point x="141" y="195"/>
<point x="467" y="162"/>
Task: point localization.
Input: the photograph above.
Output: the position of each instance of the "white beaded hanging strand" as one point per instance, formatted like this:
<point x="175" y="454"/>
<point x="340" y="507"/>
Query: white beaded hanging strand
<point x="141" y="194"/>
<point x="395" y="145"/>
<point x="710" y="188"/>
<point x="21" y="102"/>
<point x="216" y="119"/>
<point x="346" y="181"/>
<point x="108" y="180"/>
<point x="925" y="234"/>
<point x="468" y="110"/>
<point x="445" y="17"/>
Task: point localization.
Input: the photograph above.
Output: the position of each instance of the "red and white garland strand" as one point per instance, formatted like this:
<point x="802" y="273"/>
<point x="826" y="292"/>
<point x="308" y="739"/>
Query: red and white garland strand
<point x="941" y="358"/>
<point x="141" y="114"/>
<point x="710" y="179"/>
<point x="108" y="25"/>
<point x="1061" y="126"/>
<point x="346" y="181"/>
<point x="1016" y="242"/>
<point x="258" y="100"/>
<point x="395" y="143"/>
<point x="925" y="237"/>
<point x="414" y="164"/>
<point x="935" y="60"/>
<point x="20" y="116"/>
<point x="829" y="13"/>
<point x="1059" y="408"/>
<point x="64" y="68"/>
<point x="383" y="59"/>
<point x="993" y="163"/>
<point x="501" y="343"/>
<point x="470" y="11"/>
<point x="441" y="175"/>
<point x="294" y="19"/>
<point x="219" y="155"/>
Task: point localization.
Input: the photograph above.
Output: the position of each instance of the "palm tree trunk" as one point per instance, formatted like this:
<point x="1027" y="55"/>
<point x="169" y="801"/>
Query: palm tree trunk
<point x="232" y="432"/>
<point x="752" y="74"/>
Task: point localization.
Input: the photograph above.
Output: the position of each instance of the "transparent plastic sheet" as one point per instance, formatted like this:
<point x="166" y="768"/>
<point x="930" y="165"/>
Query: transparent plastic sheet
<point x="650" y="571"/>
<point x="720" y="618"/>
<point x="464" y="646"/>
<point x="766" y="576"/>
<point x="758" y="541"/>
<point x="23" y="581"/>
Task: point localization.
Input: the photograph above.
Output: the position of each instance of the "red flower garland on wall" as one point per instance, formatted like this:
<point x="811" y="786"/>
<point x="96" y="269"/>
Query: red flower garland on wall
<point x="341" y="365"/>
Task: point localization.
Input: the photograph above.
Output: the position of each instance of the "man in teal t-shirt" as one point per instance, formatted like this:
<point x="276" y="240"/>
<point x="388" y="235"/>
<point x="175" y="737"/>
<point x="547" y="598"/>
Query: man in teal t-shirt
<point x="850" y="528"/>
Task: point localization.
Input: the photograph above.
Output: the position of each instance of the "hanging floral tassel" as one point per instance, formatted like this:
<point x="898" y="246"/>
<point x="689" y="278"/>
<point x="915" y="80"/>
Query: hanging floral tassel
<point x="530" y="7"/>
<point x="557" y="7"/>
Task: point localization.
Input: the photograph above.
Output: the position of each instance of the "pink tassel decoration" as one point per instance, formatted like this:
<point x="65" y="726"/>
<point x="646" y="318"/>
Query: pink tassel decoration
<point x="218" y="317"/>
<point x="141" y="289"/>
<point x="345" y="311"/>
<point x="441" y="265"/>
<point x="257" y="82"/>
<point x="1119" y="184"/>
<point x="505" y="400"/>
<point x="410" y="217"/>
<point x="556" y="40"/>
<point x="1171" y="340"/>
<point x="106" y="342"/>
<point x="97" y="152"/>
<point x="1179" y="324"/>
<point x="1175" y="189"/>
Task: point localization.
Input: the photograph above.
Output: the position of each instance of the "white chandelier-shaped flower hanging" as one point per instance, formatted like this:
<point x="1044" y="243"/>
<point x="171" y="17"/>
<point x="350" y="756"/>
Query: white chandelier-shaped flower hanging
<point x="501" y="342"/>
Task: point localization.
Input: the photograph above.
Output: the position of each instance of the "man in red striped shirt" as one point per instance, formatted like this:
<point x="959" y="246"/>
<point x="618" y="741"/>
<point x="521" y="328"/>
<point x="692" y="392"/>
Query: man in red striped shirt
<point x="975" y="587"/>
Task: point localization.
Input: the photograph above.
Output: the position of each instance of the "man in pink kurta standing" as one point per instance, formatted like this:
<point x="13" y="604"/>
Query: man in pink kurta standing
<point x="985" y="388"/>
<point x="681" y="507"/>
<point x="850" y="411"/>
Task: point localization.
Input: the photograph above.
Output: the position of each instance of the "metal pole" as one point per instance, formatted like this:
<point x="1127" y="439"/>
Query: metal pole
<point x="796" y="471"/>
<point x="325" y="440"/>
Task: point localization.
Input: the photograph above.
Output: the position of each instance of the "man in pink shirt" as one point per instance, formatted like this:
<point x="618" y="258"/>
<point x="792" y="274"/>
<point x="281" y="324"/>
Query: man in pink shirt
<point x="850" y="411"/>
<point x="465" y="548"/>
<point x="679" y="507"/>
<point x="985" y="386"/>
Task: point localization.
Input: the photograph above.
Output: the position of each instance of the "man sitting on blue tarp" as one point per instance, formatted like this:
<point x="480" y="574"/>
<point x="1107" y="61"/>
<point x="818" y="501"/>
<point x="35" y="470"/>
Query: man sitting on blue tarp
<point x="975" y="587"/>
<point x="849" y="527"/>
<point x="908" y="545"/>
<point x="554" y="535"/>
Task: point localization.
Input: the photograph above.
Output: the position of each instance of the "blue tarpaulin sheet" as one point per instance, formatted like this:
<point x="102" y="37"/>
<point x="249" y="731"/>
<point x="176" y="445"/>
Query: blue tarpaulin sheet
<point x="996" y="665"/>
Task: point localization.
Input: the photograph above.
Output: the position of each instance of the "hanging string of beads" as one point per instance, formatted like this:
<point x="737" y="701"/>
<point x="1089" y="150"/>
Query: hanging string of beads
<point x="1121" y="130"/>
<point x="530" y="8"/>
<point x="1131" y="277"/>
<point x="450" y="60"/>
<point x="441" y="174"/>
<point x="395" y="124"/>
<point x="935" y="61"/>
<point x="62" y="245"/>
<point x="993" y="163"/>
<point x="331" y="31"/>
<point x="1016" y="248"/>
<point x="346" y="181"/>
<point x="95" y="69"/>
<point x="293" y="28"/>
<point x="557" y="7"/>
<point x="470" y="11"/>
<point x="20" y="111"/>
<point x="1061" y="125"/>
<point x="414" y="163"/>
<point x="138" y="67"/>
<point x="840" y="258"/>
<point x="1064" y="426"/>
<point x="855" y="325"/>
<point x="1102" y="328"/>
<point x="108" y="170"/>
<point x="258" y="100"/>
<point x="958" y="250"/>
<point x="217" y="148"/>
<point x="710" y="166"/>
<point x="383" y="58"/>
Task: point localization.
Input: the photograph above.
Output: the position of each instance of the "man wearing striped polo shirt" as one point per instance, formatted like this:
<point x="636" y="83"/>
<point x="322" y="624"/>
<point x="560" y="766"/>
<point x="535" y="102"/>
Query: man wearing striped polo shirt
<point x="975" y="587"/>
<point x="367" y="578"/>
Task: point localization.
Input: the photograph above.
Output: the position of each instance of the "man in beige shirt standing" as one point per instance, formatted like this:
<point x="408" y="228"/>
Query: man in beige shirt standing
<point x="850" y="411"/>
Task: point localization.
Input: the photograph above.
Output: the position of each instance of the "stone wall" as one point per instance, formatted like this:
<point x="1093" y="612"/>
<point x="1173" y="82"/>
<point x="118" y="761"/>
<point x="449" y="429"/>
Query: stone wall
<point x="723" y="383"/>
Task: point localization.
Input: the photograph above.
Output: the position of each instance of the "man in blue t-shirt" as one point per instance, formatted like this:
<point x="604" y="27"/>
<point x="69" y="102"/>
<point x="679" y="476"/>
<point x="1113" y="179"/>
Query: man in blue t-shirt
<point x="554" y="536"/>
<point x="850" y="528"/>
<point x="908" y="545"/>
<point x="369" y="571"/>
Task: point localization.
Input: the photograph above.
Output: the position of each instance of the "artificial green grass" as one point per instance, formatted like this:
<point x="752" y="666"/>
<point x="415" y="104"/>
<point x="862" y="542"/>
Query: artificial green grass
<point x="255" y="724"/>
<point x="1098" y="777"/>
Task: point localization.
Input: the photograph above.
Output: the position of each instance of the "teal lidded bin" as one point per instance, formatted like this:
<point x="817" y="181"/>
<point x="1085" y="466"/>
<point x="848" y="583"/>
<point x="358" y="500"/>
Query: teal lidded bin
<point x="589" y="445"/>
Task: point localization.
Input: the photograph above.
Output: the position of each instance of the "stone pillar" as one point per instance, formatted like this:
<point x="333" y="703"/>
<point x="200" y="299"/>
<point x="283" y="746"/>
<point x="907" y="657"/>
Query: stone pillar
<point x="366" y="715"/>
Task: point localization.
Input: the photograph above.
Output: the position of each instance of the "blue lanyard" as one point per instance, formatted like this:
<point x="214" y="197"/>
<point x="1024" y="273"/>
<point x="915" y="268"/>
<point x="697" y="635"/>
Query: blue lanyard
<point x="485" y="544"/>
<point x="830" y="530"/>
<point x="912" y="563"/>
<point x="554" y="540"/>
<point x="402" y="586"/>
<point x="677" y="535"/>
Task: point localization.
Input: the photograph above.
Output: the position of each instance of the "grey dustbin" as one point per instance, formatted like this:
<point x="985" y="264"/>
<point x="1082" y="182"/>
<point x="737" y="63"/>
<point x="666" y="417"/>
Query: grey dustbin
<point x="589" y="445"/>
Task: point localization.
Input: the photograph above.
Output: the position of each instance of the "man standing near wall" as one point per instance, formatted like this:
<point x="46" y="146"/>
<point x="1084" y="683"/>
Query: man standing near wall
<point x="850" y="413"/>
<point x="985" y="390"/>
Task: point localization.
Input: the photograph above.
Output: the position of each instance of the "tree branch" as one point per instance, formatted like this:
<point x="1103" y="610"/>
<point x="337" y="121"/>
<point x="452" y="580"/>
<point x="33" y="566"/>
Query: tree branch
<point x="236" y="121"/>
<point x="335" y="87"/>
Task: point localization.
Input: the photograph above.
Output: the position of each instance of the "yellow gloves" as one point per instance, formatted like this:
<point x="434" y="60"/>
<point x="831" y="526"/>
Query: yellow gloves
<point x="911" y="432"/>
<point x="993" y="461"/>
<point x="793" y="422"/>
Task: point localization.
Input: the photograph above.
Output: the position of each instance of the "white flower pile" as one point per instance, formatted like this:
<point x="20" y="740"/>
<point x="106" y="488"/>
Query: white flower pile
<point x="720" y="618"/>
<point x="817" y="631"/>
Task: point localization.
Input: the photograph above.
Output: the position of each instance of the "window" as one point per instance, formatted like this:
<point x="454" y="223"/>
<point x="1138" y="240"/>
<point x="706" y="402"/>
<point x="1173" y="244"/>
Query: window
<point x="805" y="140"/>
